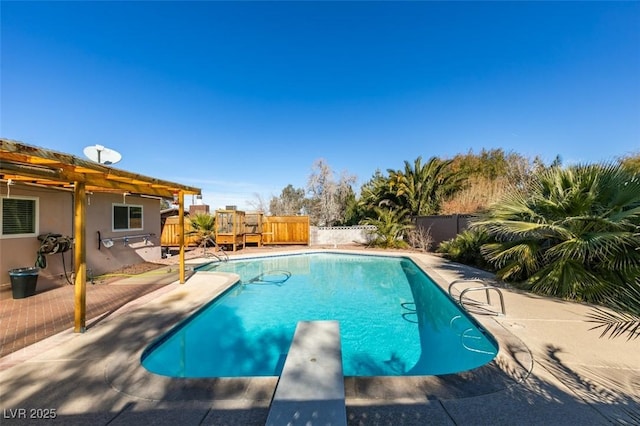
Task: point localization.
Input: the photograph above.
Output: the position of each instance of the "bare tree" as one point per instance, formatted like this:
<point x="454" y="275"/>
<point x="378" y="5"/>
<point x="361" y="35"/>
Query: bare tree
<point x="258" y="203"/>
<point x="290" y="202"/>
<point x="328" y="201"/>
<point x="420" y="238"/>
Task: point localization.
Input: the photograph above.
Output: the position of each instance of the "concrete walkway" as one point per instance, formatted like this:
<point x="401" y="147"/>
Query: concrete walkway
<point x="551" y="370"/>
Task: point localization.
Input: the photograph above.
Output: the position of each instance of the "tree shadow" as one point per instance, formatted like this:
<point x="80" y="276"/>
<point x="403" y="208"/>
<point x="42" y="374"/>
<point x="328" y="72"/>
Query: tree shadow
<point x="582" y="395"/>
<point x="614" y="392"/>
<point x="96" y="378"/>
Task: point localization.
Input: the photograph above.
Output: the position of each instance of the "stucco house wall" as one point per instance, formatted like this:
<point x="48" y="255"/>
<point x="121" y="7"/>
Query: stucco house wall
<point x="55" y="215"/>
<point x="129" y="246"/>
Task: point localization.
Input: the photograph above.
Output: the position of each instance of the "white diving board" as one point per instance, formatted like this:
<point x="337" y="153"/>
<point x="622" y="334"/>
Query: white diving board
<point x="310" y="390"/>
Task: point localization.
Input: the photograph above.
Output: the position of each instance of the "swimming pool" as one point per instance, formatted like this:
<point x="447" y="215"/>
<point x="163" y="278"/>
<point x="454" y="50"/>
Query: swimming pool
<point x="394" y="320"/>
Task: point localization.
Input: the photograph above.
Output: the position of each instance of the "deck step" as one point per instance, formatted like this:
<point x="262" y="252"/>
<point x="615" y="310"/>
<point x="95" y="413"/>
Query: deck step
<point x="310" y="390"/>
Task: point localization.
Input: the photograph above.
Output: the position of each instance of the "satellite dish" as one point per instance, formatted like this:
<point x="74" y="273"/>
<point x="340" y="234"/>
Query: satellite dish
<point x="102" y="155"/>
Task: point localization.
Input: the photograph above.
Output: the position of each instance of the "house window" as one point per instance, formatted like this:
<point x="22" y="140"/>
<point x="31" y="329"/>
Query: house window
<point x="19" y="217"/>
<point x="127" y="217"/>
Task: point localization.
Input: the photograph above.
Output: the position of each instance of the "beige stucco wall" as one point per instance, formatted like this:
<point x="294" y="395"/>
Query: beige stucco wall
<point x="101" y="259"/>
<point x="56" y="216"/>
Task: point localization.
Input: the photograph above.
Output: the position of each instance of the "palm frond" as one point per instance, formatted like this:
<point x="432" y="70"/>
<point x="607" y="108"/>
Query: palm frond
<point x="523" y="253"/>
<point x="615" y="324"/>
<point x="625" y="315"/>
<point x="569" y="279"/>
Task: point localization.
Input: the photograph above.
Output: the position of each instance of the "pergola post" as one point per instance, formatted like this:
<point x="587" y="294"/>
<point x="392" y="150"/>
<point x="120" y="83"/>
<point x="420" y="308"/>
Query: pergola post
<point x="22" y="163"/>
<point x="181" y="234"/>
<point x="80" y="257"/>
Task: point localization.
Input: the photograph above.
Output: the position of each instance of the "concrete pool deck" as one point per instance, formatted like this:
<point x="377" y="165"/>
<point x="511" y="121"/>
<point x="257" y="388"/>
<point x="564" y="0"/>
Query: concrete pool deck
<point x="551" y="369"/>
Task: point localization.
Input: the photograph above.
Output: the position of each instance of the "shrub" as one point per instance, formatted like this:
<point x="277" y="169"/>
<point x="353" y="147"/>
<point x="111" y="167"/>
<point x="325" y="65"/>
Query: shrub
<point x="420" y="238"/>
<point x="466" y="248"/>
<point x="390" y="226"/>
<point x="572" y="233"/>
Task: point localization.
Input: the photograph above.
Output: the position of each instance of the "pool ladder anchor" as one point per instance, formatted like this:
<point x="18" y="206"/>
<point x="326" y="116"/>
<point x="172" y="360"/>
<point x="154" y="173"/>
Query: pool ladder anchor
<point x="487" y="288"/>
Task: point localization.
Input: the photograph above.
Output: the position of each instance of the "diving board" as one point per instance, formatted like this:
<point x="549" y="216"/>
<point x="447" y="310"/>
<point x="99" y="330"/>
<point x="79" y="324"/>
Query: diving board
<point x="310" y="390"/>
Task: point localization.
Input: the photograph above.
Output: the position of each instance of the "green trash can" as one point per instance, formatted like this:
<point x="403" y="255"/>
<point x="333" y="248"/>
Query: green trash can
<point x="23" y="282"/>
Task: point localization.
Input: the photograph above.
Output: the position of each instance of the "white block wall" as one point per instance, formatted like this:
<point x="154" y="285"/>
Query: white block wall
<point x="338" y="235"/>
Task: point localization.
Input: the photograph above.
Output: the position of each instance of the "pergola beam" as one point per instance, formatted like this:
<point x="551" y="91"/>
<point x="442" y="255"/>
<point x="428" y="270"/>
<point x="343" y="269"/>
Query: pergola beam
<point x="39" y="163"/>
<point x="43" y="167"/>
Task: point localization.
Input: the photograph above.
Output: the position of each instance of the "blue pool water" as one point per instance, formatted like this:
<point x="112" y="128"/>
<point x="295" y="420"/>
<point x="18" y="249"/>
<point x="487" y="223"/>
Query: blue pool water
<point x="394" y="320"/>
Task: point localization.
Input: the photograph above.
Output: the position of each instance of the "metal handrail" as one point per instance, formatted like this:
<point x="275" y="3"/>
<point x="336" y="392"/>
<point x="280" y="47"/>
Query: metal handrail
<point x="226" y="256"/>
<point x="486" y="288"/>
<point x="108" y="242"/>
<point x="125" y="237"/>
<point x="467" y="280"/>
<point x="216" y="246"/>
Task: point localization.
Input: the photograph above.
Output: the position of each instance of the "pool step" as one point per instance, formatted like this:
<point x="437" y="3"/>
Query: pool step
<point x="310" y="390"/>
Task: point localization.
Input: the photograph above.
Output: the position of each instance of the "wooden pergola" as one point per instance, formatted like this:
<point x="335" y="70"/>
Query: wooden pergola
<point x="46" y="168"/>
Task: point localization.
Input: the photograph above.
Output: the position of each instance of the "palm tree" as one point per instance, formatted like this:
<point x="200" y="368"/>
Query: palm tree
<point x="422" y="188"/>
<point x="391" y="224"/>
<point x="203" y="226"/>
<point x="573" y="233"/>
<point x="377" y="192"/>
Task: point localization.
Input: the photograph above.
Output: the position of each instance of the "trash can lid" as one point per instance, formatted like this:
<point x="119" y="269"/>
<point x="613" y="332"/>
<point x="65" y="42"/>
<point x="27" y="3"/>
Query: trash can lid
<point x="32" y="270"/>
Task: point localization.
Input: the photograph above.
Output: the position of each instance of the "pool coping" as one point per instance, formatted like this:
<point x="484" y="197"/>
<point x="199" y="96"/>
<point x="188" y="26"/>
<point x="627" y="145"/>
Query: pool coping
<point x="512" y="365"/>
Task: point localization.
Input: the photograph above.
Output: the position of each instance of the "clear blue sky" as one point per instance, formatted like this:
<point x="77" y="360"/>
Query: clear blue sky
<point x="241" y="98"/>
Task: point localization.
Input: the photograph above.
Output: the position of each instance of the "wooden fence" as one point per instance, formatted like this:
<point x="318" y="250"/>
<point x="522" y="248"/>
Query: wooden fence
<point x="170" y="232"/>
<point x="275" y="230"/>
<point x="285" y="230"/>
